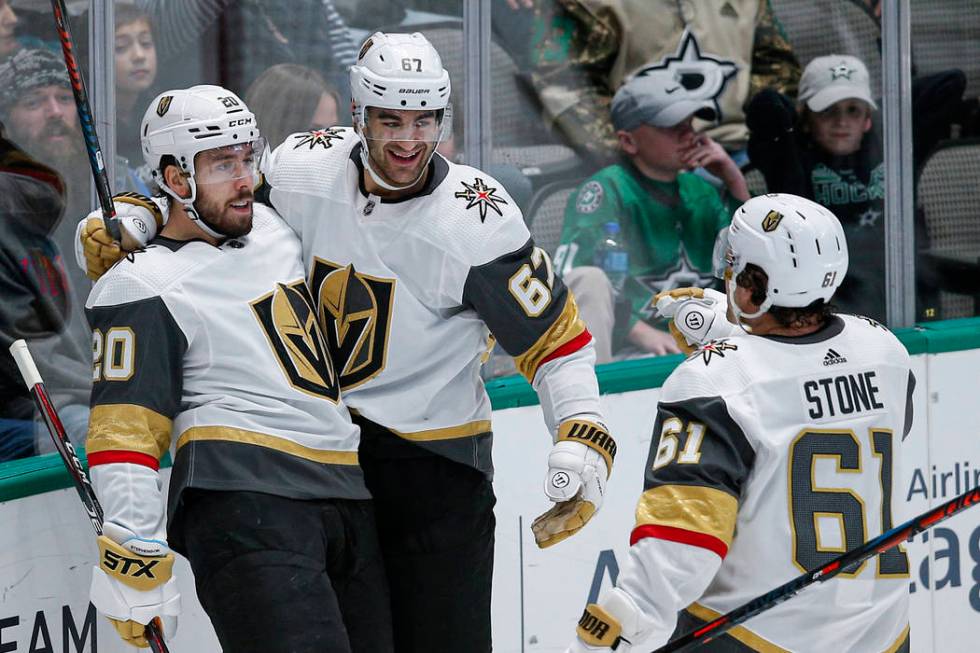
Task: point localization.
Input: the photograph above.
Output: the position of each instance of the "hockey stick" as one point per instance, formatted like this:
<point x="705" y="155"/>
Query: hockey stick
<point x="95" y="158"/>
<point x="32" y="378"/>
<point x="845" y="561"/>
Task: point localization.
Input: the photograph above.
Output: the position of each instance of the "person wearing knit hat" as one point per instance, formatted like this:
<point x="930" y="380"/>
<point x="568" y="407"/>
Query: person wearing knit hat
<point x="37" y="105"/>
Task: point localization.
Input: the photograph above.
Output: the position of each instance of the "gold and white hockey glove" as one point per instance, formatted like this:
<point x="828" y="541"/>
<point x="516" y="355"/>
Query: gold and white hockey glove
<point x="578" y="467"/>
<point x="696" y="315"/>
<point x="611" y="625"/>
<point x="134" y="584"/>
<point x="140" y="218"/>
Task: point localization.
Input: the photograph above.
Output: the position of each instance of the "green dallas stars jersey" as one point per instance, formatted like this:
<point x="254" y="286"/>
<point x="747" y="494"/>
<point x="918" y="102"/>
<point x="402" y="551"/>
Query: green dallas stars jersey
<point x="669" y="229"/>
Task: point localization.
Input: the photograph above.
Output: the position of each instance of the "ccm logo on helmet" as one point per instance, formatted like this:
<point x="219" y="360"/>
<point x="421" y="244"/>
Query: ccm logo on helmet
<point x="416" y="91"/>
<point x="239" y="122"/>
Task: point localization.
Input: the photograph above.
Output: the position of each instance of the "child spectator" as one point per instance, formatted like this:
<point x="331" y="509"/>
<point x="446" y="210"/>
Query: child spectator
<point x="136" y="70"/>
<point x="826" y="149"/>
<point x="668" y="218"/>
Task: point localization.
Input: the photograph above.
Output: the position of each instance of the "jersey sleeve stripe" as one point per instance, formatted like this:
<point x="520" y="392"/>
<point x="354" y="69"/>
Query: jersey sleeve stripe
<point x="134" y="457"/>
<point x="700" y="510"/>
<point x="680" y="535"/>
<point x="567" y="329"/>
<point x="128" y="427"/>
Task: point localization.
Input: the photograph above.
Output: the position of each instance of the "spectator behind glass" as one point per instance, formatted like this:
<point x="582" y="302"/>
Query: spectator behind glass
<point x="8" y="26"/>
<point x="136" y="70"/>
<point x="727" y="51"/>
<point x="308" y="32"/>
<point x="668" y="218"/>
<point x="36" y="306"/>
<point x="290" y="98"/>
<point x="826" y="148"/>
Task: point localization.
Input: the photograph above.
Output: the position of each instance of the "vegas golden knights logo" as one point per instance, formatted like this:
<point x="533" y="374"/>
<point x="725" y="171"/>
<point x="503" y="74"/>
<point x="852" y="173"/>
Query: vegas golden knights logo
<point x="771" y="221"/>
<point x="290" y="324"/>
<point x="355" y="311"/>
<point x="163" y="106"/>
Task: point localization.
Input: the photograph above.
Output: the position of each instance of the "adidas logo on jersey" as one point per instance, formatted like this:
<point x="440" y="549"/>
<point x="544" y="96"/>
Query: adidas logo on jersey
<point x="833" y="358"/>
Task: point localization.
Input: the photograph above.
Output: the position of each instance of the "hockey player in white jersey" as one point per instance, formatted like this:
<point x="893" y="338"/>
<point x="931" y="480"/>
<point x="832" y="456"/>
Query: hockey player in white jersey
<point x="207" y="338"/>
<point x="413" y="262"/>
<point x="775" y="449"/>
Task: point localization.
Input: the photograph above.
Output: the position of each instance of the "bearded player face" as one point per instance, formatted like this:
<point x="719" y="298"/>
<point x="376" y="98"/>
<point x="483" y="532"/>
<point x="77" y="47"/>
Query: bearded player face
<point x="226" y="178"/>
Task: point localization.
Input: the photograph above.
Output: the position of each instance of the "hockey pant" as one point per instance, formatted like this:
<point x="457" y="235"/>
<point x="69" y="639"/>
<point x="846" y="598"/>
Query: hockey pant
<point x="279" y="575"/>
<point x="436" y="524"/>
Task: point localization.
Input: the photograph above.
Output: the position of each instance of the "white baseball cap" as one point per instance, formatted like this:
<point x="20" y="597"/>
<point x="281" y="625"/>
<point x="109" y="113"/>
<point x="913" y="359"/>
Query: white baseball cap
<point x="659" y="100"/>
<point x="833" y="78"/>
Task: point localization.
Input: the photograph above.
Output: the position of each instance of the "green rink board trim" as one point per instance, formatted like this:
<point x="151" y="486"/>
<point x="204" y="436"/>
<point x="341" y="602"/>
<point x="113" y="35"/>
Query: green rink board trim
<point x="21" y="478"/>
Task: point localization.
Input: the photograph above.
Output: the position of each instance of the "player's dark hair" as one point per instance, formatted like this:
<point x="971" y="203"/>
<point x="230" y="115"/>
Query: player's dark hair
<point x="756" y="281"/>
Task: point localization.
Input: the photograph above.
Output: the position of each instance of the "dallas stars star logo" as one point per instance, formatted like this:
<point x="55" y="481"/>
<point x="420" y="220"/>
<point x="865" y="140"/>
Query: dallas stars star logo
<point x="321" y="137"/>
<point x="869" y="218"/>
<point x="690" y="74"/>
<point x="713" y="348"/>
<point x="682" y="275"/>
<point x="480" y="195"/>
<point x="841" y="71"/>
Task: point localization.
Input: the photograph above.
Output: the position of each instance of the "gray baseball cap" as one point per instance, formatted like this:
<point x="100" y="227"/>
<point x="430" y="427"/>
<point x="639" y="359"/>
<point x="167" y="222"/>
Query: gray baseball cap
<point x="659" y="100"/>
<point x="830" y="79"/>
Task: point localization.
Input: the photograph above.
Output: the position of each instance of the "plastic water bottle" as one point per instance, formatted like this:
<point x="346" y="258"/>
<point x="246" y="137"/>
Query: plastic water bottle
<point x="612" y="257"/>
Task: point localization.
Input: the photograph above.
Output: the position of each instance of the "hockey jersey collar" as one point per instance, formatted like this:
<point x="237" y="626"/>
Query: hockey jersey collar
<point x="438" y="169"/>
<point x="831" y="329"/>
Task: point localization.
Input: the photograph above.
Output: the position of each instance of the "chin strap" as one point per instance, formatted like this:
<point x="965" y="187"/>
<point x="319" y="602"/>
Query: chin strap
<point x="740" y="316"/>
<point x="188" y="204"/>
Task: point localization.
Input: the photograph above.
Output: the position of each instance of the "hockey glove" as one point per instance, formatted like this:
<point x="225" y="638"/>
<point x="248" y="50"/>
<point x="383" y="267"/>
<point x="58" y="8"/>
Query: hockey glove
<point x="611" y="625"/>
<point x="134" y="584"/>
<point x="578" y="466"/>
<point x="139" y="217"/>
<point x="696" y="315"/>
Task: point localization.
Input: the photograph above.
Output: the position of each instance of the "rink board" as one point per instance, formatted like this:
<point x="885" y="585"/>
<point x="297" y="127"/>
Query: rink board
<point x="46" y="547"/>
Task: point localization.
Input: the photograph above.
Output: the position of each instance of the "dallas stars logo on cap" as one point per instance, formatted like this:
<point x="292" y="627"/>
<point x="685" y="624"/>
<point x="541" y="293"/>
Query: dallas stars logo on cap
<point x="481" y="195"/>
<point x="841" y="71"/>
<point x="321" y="137"/>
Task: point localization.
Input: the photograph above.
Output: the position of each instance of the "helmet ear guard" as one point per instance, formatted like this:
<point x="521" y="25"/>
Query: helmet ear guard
<point x="799" y="244"/>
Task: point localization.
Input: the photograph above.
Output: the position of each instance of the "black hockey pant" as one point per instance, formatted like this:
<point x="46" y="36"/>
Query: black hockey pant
<point x="435" y="523"/>
<point x="278" y="575"/>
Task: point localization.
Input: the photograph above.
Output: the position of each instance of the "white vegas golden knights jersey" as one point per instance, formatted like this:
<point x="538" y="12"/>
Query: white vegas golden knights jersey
<point x="777" y="455"/>
<point x="218" y="348"/>
<point x="409" y="291"/>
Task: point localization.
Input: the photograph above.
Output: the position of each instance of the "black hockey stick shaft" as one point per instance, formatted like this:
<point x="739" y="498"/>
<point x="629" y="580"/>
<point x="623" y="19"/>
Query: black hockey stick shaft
<point x="852" y="558"/>
<point x="95" y="158"/>
<point x="32" y="378"/>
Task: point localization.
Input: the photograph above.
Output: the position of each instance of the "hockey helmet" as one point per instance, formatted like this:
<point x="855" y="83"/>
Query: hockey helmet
<point x="182" y="123"/>
<point x="798" y="243"/>
<point x="402" y="72"/>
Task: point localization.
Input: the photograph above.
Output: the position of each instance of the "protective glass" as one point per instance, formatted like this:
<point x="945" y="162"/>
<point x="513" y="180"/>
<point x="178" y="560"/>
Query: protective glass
<point x="230" y="163"/>
<point x="404" y="126"/>
<point x="722" y="258"/>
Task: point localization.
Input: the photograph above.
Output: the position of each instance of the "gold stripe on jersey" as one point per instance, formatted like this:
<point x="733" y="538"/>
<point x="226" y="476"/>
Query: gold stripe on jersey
<point x="741" y="633"/>
<point x="241" y="436"/>
<point x="128" y="427"/>
<point x="468" y="430"/>
<point x="567" y="325"/>
<point x="690" y="507"/>
<point x="900" y="642"/>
